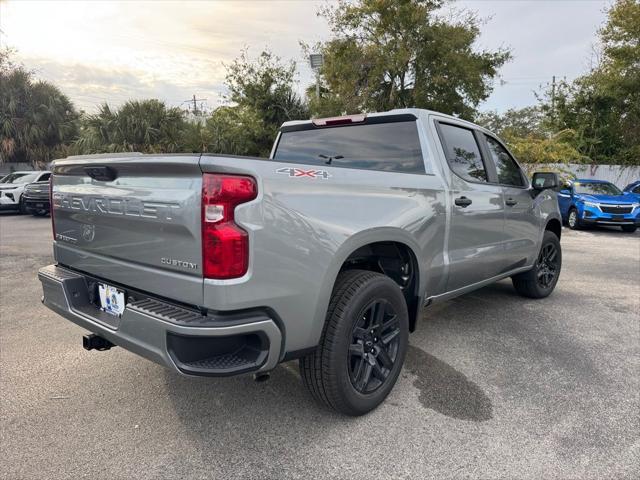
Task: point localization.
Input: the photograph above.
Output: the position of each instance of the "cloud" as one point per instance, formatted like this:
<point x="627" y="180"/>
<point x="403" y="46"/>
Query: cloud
<point x="113" y="51"/>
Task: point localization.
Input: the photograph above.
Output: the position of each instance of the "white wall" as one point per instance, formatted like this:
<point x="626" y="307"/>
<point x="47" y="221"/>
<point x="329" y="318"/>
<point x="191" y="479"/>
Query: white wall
<point x="616" y="174"/>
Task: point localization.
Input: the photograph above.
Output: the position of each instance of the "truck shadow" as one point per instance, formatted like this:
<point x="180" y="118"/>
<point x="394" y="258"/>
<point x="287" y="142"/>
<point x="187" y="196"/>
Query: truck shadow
<point x="440" y="388"/>
<point x="444" y="389"/>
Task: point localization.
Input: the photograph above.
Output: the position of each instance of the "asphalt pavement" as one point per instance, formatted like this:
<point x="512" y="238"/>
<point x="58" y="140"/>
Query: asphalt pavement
<point x="495" y="386"/>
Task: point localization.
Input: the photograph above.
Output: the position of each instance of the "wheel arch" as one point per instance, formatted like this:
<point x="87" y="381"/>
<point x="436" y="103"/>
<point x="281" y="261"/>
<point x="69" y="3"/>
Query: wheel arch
<point x="387" y="253"/>
<point x="555" y="226"/>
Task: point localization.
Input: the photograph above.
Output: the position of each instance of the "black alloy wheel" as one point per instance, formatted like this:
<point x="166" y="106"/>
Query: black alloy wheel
<point x="374" y="346"/>
<point x="547" y="265"/>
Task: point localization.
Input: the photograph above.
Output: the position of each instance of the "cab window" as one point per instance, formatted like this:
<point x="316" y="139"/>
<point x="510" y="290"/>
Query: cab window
<point x="509" y="172"/>
<point x="463" y="153"/>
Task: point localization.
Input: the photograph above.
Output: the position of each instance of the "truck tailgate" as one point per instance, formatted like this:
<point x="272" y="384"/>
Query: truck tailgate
<point x="132" y="220"/>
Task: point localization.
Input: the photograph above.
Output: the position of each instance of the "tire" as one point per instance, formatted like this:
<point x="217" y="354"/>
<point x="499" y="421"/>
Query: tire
<point x="573" y="220"/>
<point x="541" y="280"/>
<point x="22" y="208"/>
<point x="40" y="213"/>
<point x="357" y="343"/>
<point x="629" y="228"/>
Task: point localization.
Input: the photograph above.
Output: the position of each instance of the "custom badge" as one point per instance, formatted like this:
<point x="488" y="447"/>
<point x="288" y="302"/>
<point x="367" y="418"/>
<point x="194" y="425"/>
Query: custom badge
<point x="301" y="173"/>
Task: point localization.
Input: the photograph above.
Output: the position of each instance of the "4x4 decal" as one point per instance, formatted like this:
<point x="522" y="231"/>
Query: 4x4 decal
<point x="300" y="173"/>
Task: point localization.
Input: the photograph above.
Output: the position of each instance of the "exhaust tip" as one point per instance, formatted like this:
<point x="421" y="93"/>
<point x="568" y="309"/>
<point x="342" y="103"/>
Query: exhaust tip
<point x="261" y="377"/>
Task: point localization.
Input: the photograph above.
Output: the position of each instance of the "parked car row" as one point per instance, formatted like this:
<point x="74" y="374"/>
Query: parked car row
<point x="26" y="192"/>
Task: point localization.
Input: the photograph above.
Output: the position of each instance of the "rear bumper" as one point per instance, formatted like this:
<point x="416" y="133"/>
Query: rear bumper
<point x="181" y="339"/>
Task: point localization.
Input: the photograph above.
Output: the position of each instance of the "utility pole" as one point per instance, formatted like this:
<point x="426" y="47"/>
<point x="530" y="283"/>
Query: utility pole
<point x="195" y="105"/>
<point x="553" y="100"/>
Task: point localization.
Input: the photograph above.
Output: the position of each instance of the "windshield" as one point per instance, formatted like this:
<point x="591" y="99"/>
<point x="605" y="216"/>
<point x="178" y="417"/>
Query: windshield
<point x="19" y="178"/>
<point x="597" y="189"/>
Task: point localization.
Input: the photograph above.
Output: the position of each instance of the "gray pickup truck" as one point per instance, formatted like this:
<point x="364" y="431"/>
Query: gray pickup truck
<point x="325" y="252"/>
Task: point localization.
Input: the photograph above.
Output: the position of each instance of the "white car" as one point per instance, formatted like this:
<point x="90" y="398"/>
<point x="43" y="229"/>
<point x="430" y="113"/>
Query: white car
<point x="12" y="187"/>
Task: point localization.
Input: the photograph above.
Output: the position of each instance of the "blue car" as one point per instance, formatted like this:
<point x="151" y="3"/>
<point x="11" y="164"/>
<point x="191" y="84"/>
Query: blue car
<point x="633" y="189"/>
<point x="596" y="202"/>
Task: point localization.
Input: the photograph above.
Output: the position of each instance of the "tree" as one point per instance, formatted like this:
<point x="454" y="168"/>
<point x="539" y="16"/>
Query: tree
<point x="37" y="121"/>
<point x="263" y="92"/>
<point x="514" y="122"/>
<point x="603" y="106"/>
<point x="530" y="139"/>
<point x="233" y="130"/>
<point x="389" y="54"/>
<point x="138" y="126"/>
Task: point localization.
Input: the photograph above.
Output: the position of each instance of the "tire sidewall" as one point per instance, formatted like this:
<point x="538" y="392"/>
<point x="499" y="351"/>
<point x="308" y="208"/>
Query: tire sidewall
<point x="378" y="287"/>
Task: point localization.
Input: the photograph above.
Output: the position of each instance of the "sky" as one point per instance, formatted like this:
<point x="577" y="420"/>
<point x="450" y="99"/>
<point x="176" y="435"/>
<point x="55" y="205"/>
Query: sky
<point x="114" y="51"/>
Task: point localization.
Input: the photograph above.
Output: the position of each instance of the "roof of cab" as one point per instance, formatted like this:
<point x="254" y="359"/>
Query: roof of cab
<point x="417" y="112"/>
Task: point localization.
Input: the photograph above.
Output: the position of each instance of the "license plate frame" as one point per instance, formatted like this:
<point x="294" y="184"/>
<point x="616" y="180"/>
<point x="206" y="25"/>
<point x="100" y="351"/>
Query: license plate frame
<point x="112" y="300"/>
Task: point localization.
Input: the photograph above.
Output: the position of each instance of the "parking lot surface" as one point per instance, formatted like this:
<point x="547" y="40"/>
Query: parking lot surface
<point x="494" y="386"/>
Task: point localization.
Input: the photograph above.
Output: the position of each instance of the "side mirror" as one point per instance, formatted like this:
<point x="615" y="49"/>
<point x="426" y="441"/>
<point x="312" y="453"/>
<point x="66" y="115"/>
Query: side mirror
<point x="544" y="180"/>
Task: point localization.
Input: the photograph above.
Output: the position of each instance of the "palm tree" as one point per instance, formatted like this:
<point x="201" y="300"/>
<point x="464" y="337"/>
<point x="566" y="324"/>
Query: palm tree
<point x="37" y="121"/>
<point x="138" y="126"/>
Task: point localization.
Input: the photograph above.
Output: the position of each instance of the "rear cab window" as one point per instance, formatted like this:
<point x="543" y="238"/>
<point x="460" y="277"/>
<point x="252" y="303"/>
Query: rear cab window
<point x="389" y="144"/>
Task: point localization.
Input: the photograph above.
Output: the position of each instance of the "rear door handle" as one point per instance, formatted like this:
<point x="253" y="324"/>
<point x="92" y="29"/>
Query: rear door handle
<point x="463" y="202"/>
<point x="511" y="202"/>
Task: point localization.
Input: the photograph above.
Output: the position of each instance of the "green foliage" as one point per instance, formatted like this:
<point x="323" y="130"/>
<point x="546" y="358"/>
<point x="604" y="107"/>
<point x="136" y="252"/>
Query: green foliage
<point x="138" y="126"/>
<point x="264" y="96"/>
<point x="229" y="130"/>
<point x="36" y="119"/>
<point x="389" y="54"/>
<point x="521" y="122"/>
<point x="603" y="106"/>
<point x="557" y="149"/>
<point x="527" y="136"/>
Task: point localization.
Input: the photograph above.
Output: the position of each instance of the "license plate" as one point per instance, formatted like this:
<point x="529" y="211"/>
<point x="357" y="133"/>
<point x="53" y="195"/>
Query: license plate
<point x="111" y="299"/>
<point x="39" y="205"/>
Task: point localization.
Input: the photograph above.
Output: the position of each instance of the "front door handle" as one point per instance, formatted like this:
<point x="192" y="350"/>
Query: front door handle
<point x="463" y="202"/>
<point x="511" y="202"/>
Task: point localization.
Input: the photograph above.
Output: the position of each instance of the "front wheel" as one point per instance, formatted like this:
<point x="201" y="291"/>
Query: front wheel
<point x="22" y="207"/>
<point x="363" y="344"/>
<point x="574" y="220"/>
<point x="540" y="281"/>
<point x="629" y="228"/>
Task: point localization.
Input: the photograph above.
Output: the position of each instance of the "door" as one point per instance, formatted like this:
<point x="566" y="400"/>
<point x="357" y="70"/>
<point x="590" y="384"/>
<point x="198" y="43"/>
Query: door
<point x="522" y="225"/>
<point x="476" y="233"/>
<point x="564" y="200"/>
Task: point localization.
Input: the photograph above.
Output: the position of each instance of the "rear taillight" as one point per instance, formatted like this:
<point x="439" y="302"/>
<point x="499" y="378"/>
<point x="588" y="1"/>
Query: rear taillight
<point x="225" y="246"/>
<point x="53" y="223"/>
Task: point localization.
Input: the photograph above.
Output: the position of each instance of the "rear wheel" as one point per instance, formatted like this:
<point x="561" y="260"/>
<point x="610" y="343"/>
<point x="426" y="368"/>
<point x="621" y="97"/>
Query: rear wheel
<point x="629" y="228"/>
<point x="363" y="344"/>
<point x="574" y="220"/>
<point x="540" y="281"/>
